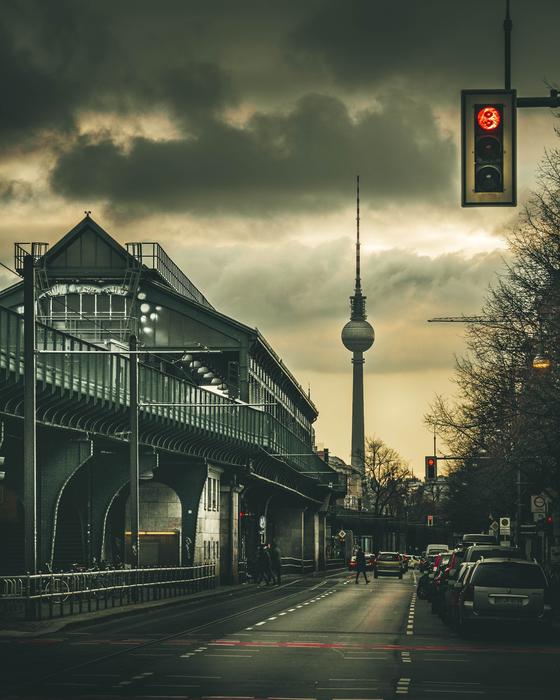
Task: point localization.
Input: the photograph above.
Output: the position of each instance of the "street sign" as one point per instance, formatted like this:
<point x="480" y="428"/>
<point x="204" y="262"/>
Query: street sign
<point x="262" y="522"/>
<point x="538" y="503"/>
<point x="342" y="534"/>
<point x="505" y="526"/>
<point x="494" y="527"/>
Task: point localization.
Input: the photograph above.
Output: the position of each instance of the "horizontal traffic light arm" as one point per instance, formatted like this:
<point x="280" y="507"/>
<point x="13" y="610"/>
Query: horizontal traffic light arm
<point x="552" y="101"/>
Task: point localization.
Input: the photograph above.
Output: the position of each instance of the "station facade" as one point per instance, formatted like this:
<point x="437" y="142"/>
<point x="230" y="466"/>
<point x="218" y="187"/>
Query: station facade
<point x="227" y="458"/>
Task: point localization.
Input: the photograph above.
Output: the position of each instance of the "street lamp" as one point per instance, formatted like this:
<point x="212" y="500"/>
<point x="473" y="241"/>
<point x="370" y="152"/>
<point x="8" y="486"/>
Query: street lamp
<point x="541" y="362"/>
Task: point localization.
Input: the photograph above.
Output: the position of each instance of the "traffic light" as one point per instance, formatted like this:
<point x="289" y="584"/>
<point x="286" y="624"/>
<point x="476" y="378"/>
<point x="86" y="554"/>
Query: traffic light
<point x="549" y="525"/>
<point x="488" y="148"/>
<point x="430" y="520"/>
<point x="431" y="467"/>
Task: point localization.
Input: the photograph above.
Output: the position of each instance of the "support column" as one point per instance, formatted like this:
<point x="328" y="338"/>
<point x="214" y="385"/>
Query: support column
<point x="59" y="463"/>
<point x="290" y="536"/>
<point x="29" y="418"/>
<point x="229" y="532"/>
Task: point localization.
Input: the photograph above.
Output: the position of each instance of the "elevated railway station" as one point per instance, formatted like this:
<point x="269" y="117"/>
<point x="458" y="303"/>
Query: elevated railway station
<point x="225" y="432"/>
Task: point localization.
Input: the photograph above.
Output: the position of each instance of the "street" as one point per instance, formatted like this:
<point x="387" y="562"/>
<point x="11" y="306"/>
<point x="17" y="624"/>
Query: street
<point x="321" y="638"/>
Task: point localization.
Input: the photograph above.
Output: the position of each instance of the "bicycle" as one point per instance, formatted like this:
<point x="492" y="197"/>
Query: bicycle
<point x="57" y="589"/>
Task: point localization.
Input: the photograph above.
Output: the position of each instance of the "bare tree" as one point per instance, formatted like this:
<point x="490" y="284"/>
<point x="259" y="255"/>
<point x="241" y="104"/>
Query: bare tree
<point x="386" y="478"/>
<point x="504" y="404"/>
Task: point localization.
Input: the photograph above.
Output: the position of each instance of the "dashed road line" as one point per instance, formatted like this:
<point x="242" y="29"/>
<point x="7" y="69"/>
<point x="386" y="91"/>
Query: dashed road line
<point x="402" y="686"/>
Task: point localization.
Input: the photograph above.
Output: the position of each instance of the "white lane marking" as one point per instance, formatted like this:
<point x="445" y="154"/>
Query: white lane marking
<point x="402" y="686"/>
<point x="232" y="656"/>
<point x="179" y="675"/>
<point x="260" y="623"/>
<point x="279" y="614"/>
<point x="272" y="618"/>
<point x="186" y="656"/>
<point x="291" y="610"/>
<point x="248" y="628"/>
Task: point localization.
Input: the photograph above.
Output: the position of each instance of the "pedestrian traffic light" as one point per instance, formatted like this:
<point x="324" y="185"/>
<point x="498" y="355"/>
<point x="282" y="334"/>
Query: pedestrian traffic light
<point x="488" y="148"/>
<point x="430" y="520"/>
<point x="431" y="467"/>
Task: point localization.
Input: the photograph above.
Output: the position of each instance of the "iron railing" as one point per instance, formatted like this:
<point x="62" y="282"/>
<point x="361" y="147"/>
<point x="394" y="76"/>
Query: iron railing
<point x="101" y="377"/>
<point x="294" y="565"/>
<point x="154" y="256"/>
<point x="51" y="595"/>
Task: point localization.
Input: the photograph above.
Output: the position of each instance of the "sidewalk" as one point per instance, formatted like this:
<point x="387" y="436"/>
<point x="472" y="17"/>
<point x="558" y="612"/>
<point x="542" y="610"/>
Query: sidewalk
<point x="14" y="629"/>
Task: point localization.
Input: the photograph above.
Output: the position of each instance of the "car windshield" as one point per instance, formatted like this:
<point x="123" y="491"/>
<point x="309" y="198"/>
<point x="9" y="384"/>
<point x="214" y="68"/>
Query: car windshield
<point x="388" y="556"/>
<point x="509" y="575"/>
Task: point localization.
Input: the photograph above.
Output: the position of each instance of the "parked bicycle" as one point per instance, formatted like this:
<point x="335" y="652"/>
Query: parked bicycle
<point x="55" y="588"/>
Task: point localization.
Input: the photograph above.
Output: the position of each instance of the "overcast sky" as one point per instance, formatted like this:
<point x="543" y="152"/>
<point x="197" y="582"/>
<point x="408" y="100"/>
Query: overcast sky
<point x="232" y="133"/>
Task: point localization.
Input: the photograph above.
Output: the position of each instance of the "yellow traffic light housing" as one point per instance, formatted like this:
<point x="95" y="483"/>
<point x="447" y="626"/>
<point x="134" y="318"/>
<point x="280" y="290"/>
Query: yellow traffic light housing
<point x="488" y="148"/>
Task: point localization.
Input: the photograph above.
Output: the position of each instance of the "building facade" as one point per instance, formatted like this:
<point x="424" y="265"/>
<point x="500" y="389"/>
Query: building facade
<point x="226" y="432"/>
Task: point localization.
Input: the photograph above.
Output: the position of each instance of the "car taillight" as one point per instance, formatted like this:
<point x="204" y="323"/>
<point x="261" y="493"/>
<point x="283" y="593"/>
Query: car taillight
<point x="469" y="592"/>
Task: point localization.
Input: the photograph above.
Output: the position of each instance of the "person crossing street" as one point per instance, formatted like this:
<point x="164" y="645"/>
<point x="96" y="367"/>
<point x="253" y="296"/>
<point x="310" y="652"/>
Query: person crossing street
<point x="360" y="565"/>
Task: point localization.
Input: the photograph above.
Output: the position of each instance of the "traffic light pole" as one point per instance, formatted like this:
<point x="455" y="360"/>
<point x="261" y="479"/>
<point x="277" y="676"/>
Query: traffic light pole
<point x="553" y="100"/>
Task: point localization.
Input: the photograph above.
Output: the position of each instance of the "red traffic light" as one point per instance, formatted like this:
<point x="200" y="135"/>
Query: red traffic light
<point x="488" y="118"/>
<point x="430" y="461"/>
<point x="549" y="520"/>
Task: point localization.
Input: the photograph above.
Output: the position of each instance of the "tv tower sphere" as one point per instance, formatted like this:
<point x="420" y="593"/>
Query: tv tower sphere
<point x="358" y="336"/>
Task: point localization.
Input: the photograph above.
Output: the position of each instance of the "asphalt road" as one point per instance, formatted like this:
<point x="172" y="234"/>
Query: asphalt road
<point x="322" y="638"/>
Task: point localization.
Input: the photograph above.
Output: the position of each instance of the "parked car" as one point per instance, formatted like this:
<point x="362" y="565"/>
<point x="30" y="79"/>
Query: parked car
<point x="388" y="563"/>
<point x="370" y="560"/>
<point x="437" y="577"/>
<point x="478" y="538"/>
<point x="477" y="551"/>
<point x="455" y="584"/>
<point x="447" y="570"/>
<point x="505" y="590"/>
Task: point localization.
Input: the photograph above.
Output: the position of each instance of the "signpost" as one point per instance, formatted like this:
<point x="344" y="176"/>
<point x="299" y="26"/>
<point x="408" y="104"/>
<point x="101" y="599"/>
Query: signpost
<point x="538" y="503"/>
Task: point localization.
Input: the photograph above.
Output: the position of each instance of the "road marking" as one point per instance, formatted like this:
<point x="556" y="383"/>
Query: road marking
<point x="282" y="613"/>
<point x="260" y="623"/>
<point x="248" y="628"/>
<point x="402" y="686"/>
<point x="272" y="618"/>
<point x="232" y="656"/>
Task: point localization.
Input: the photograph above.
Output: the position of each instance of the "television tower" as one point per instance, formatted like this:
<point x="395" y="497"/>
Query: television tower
<point x="358" y="336"/>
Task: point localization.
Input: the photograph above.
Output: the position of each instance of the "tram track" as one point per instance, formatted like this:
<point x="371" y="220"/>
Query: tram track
<point x="21" y="686"/>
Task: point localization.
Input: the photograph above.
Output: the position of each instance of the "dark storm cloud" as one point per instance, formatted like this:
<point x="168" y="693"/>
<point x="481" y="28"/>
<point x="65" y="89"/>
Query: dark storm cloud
<point x="303" y="160"/>
<point x="63" y="56"/>
<point x="15" y="191"/>
<point x="434" y="46"/>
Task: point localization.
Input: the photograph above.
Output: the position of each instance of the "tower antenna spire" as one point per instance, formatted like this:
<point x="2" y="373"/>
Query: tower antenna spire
<point x="358" y="280"/>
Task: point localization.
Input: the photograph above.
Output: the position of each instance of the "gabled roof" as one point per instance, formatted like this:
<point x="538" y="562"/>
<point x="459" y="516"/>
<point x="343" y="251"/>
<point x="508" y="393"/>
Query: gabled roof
<point x="88" y="228"/>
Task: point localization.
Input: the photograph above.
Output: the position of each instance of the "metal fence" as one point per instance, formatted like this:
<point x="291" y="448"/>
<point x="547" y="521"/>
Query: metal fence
<point x="48" y="596"/>
<point x="335" y="564"/>
<point x="292" y="565"/>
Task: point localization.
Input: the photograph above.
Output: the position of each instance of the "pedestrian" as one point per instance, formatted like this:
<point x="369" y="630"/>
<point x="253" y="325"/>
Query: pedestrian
<point x="276" y="561"/>
<point x="360" y="564"/>
<point x="264" y="567"/>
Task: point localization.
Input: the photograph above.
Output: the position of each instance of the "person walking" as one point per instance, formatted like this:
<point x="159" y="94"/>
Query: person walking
<point x="264" y="567"/>
<point x="360" y="564"/>
<point x="276" y="561"/>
